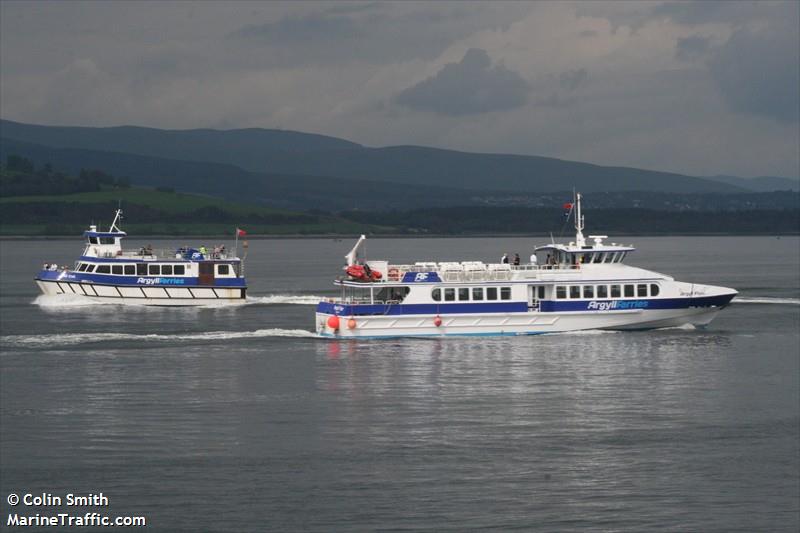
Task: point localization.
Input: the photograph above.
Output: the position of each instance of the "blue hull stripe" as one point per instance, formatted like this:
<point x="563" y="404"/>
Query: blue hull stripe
<point x="136" y="281"/>
<point x="547" y="306"/>
<point x="420" y="309"/>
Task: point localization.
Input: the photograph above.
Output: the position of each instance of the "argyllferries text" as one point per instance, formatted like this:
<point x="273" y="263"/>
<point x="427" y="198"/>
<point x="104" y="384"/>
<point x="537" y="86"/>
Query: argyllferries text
<point x="182" y="277"/>
<point x="565" y="287"/>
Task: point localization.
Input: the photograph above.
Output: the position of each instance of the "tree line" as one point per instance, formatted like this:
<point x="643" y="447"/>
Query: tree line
<point x="20" y="177"/>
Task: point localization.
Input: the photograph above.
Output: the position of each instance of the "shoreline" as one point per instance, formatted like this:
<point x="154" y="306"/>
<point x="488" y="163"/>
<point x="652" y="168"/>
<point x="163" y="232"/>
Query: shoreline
<point x="341" y="236"/>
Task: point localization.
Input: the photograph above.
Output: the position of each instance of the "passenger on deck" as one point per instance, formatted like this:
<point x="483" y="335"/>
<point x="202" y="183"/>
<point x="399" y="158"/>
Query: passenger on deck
<point x="533" y="258"/>
<point x="504" y="259"/>
<point x="516" y="259"/>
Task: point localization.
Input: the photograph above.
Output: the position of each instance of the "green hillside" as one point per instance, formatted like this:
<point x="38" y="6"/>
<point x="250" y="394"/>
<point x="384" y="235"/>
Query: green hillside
<point x="151" y="212"/>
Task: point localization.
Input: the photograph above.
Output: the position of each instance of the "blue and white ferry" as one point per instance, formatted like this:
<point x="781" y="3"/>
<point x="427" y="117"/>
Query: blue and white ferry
<point x="183" y="277"/>
<point x="581" y="285"/>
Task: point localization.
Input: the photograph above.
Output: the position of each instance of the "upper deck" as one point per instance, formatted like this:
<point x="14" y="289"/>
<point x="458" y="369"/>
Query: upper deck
<point x="550" y="262"/>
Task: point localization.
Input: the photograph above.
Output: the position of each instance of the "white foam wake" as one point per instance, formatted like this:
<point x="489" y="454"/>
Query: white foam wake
<point x="272" y="299"/>
<point x="117" y="339"/>
<point x="766" y="300"/>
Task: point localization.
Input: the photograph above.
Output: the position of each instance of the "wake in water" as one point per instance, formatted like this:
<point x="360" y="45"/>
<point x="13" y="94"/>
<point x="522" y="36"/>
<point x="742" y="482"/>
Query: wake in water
<point x="765" y="300"/>
<point x="72" y="339"/>
<point x="273" y="299"/>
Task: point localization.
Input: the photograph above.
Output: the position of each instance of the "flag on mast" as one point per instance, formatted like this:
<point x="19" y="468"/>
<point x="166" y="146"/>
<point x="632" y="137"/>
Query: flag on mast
<point x="240" y="232"/>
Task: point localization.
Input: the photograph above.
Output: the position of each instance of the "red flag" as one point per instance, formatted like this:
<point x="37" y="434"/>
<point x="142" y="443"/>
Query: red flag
<point x="240" y="232"/>
<point x="568" y="205"/>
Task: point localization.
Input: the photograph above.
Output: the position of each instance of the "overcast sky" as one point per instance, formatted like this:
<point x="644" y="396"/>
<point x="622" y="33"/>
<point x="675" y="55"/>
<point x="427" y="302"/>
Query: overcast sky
<point x="702" y="88"/>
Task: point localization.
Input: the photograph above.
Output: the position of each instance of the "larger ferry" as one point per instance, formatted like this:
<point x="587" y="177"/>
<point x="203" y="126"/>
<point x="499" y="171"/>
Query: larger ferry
<point x="565" y="287"/>
<point x="179" y="277"/>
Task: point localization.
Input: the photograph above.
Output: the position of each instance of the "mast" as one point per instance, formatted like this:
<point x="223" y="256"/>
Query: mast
<point x="579" y="239"/>
<point x="117" y="218"/>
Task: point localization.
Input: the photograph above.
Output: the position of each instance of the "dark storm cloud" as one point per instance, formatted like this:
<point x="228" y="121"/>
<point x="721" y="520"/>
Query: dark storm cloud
<point x="316" y="28"/>
<point x="691" y="48"/>
<point x="470" y="86"/>
<point x="758" y="71"/>
<point x="573" y="79"/>
<point x="373" y="33"/>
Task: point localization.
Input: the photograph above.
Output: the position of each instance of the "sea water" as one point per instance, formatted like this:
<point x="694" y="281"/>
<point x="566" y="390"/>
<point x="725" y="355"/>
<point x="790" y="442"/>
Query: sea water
<point x="238" y="419"/>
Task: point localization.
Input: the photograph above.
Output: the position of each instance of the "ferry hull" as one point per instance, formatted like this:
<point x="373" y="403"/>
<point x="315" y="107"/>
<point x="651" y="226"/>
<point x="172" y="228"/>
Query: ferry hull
<point x="505" y="324"/>
<point x="154" y="296"/>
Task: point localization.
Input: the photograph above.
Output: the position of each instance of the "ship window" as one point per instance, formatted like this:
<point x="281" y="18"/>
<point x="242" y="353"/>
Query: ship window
<point x="491" y="293"/>
<point x="90" y="268"/>
<point x="436" y="294"/>
<point x="180" y="270"/>
<point x="641" y="290"/>
<point x="598" y="258"/>
<point x="449" y="295"/>
<point x="561" y="292"/>
<point x="92" y="240"/>
<point x="82" y="267"/>
<point x="141" y="269"/>
<point x="103" y="269"/>
<point x="541" y="292"/>
<point x="602" y="291"/>
<point x="130" y="270"/>
<point x="621" y="256"/>
<point x="223" y="270"/>
<point x="608" y="257"/>
<point x="629" y="291"/>
<point x="653" y="289"/>
<point x="463" y="294"/>
<point x="154" y="270"/>
<point x="106" y="240"/>
<point x="477" y="293"/>
<point x="574" y="291"/>
<point x="615" y="291"/>
<point x="505" y="293"/>
<point x="166" y="270"/>
<point x="588" y="291"/>
<point x="116" y="269"/>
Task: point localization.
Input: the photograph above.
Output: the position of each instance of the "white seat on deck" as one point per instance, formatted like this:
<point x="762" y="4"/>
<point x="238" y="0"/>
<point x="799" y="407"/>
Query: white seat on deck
<point x="451" y="267"/>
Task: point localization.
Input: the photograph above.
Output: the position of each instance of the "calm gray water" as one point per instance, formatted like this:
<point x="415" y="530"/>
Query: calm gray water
<point x="231" y="419"/>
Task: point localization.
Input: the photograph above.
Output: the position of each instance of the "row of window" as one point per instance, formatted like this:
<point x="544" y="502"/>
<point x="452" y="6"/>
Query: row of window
<point x="143" y="269"/>
<point x="639" y="290"/>
<point x="601" y="257"/>
<point x="475" y="294"/>
<point x="139" y="269"/>
<point x="101" y="240"/>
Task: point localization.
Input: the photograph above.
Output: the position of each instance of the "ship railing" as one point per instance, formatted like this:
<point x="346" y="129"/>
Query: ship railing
<point x="465" y="272"/>
<point x="166" y="254"/>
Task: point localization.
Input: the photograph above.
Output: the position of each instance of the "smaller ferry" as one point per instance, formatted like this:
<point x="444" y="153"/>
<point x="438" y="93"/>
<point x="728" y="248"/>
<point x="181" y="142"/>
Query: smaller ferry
<point x="584" y="284"/>
<point x="181" y="277"/>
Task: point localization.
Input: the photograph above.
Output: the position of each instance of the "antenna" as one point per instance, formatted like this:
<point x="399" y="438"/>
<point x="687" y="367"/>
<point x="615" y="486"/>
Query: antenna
<point x="579" y="240"/>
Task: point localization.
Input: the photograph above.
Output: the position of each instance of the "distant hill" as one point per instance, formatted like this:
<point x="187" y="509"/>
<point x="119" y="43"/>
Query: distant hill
<point x="246" y="148"/>
<point x="761" y="184"/>
<point x="233" y="183"/>
<point x="279" y="152"/>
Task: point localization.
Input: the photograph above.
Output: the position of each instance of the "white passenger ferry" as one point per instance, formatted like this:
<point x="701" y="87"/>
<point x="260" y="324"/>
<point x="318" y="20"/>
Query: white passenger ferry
<point x="180" y="277"/>
<point x="566" y="287"/>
